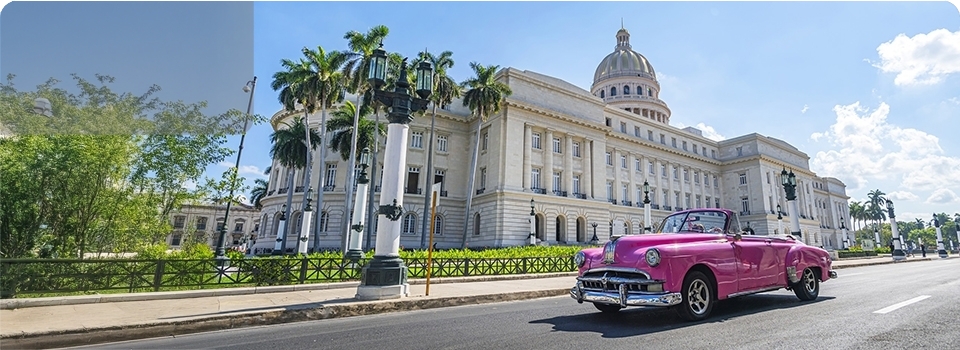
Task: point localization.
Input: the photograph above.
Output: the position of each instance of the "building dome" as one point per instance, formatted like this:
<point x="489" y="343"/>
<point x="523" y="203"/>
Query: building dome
<point x="623" y="61"/>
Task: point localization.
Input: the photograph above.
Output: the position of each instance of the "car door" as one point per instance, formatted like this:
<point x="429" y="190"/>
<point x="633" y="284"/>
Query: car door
<point x="770" y="264"/>
<point x="750" y="253"/>
<point x="780" y="249"/>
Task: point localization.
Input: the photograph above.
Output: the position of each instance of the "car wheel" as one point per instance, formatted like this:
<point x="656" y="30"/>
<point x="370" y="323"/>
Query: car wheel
<point x="809" y="286"/>
<point x="607" y="308"/>
<point x="697" y="297"/>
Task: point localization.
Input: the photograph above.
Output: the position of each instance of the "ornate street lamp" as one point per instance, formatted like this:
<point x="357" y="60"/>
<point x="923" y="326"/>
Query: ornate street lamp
<point x="532" y="238"/>
<point x="305" y="224"/>
<point x="789" y="181"/>
<point x="779" y="220"/>
<point x="385" y="276"/>
<point x="941" y="251"/>
<point x="646" y="207"/>
<point x="43" y="107"/>
<point x="281" y="230"/>
<point x="355" y="248"/>
<point x="595" y="240"/>
<point x="250" y="87"/>
<point x="846" y="240"/>
<point x="898" y="253"/>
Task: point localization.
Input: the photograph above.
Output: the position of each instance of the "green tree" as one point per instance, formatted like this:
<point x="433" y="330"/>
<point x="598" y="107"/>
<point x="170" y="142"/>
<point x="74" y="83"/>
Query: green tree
<point x="445" y="89"/>
<point x="341" y="125"/>
<point x="484" y="97"/>
<point x="289" y="149"/>
<point x="258" y="192"/>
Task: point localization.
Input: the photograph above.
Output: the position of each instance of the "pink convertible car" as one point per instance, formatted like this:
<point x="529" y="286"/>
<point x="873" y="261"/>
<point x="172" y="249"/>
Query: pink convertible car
<point x="698" y="257"/>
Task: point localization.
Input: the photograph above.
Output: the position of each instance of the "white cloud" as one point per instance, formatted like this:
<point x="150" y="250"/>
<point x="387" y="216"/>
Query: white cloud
<point x="804" y="110"/>
<point x="902" y="195"/>
<point x="942" y="196"/>
<point x="708" y="131"/>
<point x="190" y="185"/>
<point x="866" y="146"/>
<point x="923" y="59"/>
<point x="244" y="169"/>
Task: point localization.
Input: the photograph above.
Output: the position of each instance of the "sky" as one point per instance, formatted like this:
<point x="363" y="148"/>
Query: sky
<point x="870" y="91"/>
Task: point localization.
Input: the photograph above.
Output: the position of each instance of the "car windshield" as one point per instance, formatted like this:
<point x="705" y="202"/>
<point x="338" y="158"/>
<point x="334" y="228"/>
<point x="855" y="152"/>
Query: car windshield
<point x="695" y="222"/>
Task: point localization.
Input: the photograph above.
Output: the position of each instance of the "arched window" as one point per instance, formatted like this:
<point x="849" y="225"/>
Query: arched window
<point x="601" y="94"/>
<point x="438" y="225"/>
<point x="409" y="224"/>
<point x="649" y="92"/>
<point x="476" y="224"/>
<point x="626" y="90"/>
<point x="613" y="91"/>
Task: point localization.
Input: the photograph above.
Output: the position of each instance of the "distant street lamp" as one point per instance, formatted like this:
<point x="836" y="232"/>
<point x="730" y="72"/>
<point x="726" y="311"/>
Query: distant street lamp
<point x="898" y="253"/>
<point x="249" y="87"/>
<point x="941" y="251"/>
<point x="843" y="228"/>
<point x="281" y="230"/>
<point x="595" y="240"/>
<point x="789" y="181"/>
<point x="355" y="247"/>
<point x="385" y="276"/>
<point x="646" y="207"/>
<point x="779" y="220"/>
<point x="42" y="106"/>
<point x="532" y="238"/>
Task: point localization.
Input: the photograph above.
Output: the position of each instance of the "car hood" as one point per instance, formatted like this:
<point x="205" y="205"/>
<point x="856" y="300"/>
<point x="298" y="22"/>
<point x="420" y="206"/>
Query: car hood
<point x="648" y="240"/>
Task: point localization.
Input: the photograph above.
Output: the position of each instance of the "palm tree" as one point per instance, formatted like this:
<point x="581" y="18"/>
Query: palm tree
<point x="856" y="214"/>
<point x="258" y="192"/>
<point x="484" y="97"/>
<point x="355" y="72"/>
<point x="290" y="150"/>
<point x="445" y="89"/>
<point x="876" y="206"/>
<point x="341" y="124"/>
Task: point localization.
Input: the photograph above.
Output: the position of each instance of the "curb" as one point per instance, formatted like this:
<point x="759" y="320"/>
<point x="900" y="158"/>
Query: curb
<point x="9" y="304"/>
<point x="846" y="266"/>
<point x="318" y="311"/>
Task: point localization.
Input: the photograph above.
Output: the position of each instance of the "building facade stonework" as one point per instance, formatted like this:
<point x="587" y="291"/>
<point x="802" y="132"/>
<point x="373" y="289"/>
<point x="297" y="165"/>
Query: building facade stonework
<point x="583" y="157"/>
<point x="200" y="223"/>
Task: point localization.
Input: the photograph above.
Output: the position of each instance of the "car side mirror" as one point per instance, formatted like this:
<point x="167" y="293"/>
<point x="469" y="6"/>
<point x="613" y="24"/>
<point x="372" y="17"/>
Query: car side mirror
<point x="738" y="237"/>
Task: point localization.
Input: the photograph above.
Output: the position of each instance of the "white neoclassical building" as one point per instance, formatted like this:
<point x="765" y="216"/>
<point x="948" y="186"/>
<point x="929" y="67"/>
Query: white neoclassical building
<point x="583" y="157"/>
<point x="195" y="222"/>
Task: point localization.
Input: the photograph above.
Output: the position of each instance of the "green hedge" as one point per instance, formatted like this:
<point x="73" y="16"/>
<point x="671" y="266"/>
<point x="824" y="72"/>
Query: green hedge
<point x="854" y="254"/>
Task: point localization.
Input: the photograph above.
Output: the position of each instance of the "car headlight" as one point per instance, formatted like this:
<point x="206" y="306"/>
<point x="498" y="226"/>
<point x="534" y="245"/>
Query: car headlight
<point x="653" y="257"/>
<point x="579" y="259"/>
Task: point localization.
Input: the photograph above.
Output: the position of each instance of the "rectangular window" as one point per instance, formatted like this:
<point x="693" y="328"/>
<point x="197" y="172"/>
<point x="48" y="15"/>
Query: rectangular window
<point x="768" y="178"/>
<point x="483" y="143"/>
<point x="696" y="177"/>
<point x="665" y="202"/>
<point x="650" y="166"/>
<point x="413" y="179"/>
<point x="686" y="200"/>
<point x="698" y="202"/>
<point x="556" y="146"/>
<point x="695" y="149"/>
<point x="609" y="190"/>
<point x="576" y="149"/>
<point x="743" y="178"/>
<point x="663" y="139"/>
<point x="238" y="227"/>
<point x="416" y="140"/>
<point x="535" y="143"/>
<point x="745" y="205"/>
<point x="663" y="170"/>
<point x="673" y="142"/>
<point x="556" y="181"/>
<point x="623" y="192"/>
<point x="636" y="163"/>
<point x="576" y="184"/>
<point x="684" y="145"/>
<point x="535" y="178"/>
<point x="713" y="154"/>
<point x="609" y="159"/>
<point x="623" y="161"/>
<point x="676" y="173"/>
<point x="636" y="131"/>
<point x="331" y="177"/>
<point x="650" y="135"/>
<point x="686" y="175"/>
<point x="441" y="143"/>
<point x="201" y="223"/>
<point x="178" y="222"/>
<point x="483" y="177"/>
<point x="623" y="127"/>
<point x="704" y="149"/>
<point x="716" y="202"/>
<point x="608" y="121"/>
<point x="676" y="199"/>
<point x="715" y="182"/>
<point x="739" y="151"/>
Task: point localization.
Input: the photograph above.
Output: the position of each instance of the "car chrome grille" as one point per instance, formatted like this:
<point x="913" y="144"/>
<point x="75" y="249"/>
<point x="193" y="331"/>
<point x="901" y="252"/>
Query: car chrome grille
<point x="611" y="281"/>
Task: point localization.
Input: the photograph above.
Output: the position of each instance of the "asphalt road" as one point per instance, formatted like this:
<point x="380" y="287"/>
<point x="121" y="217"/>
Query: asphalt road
<point x="857" y="311"/>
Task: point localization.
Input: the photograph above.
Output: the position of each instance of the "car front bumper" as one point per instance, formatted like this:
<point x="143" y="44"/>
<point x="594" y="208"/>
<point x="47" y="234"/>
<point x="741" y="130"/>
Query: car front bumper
<point x="833" y="274"/>
<point x="623" y="298"/>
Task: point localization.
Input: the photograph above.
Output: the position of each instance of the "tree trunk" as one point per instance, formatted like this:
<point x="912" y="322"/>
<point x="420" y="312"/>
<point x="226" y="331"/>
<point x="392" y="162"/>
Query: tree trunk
<point x="320" y="177"/>
<point x="471" y="181"/>
<point x="429" y="181"/>
<point x="352" y="165"/>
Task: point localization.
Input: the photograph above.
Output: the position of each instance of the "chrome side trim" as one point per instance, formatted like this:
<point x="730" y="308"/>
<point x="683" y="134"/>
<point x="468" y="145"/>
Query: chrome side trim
<point x="755" y="291"/>
<point x="623" y="299"/>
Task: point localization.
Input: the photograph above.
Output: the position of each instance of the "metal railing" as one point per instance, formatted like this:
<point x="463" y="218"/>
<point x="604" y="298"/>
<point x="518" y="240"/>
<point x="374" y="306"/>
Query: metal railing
<point x="38" y="277"/>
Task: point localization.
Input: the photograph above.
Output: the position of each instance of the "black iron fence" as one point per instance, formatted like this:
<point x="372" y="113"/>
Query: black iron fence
<point x="41" y="277"/>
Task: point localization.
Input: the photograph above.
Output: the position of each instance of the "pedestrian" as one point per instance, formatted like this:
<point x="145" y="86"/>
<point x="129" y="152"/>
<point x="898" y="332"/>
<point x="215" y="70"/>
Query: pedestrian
<point x="923" y="250"/>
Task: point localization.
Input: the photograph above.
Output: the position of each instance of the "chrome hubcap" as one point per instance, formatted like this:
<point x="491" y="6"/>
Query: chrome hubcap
<point x="698" y="296"/>
<point x="809" y="280"/>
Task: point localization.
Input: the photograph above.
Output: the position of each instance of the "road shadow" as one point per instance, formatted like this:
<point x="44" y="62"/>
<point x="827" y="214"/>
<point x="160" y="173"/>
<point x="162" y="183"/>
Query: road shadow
<point x="310" y="305"/>
<point x="636" y="321"/>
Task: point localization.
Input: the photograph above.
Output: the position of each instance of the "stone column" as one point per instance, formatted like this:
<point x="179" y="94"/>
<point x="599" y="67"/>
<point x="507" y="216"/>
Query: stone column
<point x="568" y="164"/>
<point x="548" y="162"/>
<point x="632" y="190"/>
<point x="617" y="191"/>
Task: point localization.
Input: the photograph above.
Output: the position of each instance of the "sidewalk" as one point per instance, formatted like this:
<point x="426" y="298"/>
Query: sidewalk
<point x="69" y="321"/>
